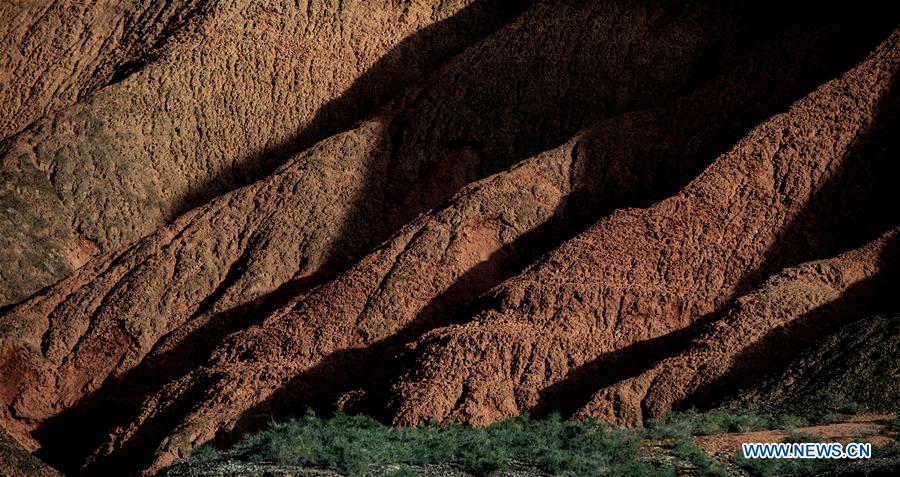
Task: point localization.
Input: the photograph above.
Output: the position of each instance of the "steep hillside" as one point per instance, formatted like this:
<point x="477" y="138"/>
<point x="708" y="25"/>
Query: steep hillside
<point x="218" y="213"/>
<point x="429" y="273"/>
<point x="760" y="333"/>
<point x="643" y="273"/>
<point x="225" y="101"/>
<point x="856" y="366"/>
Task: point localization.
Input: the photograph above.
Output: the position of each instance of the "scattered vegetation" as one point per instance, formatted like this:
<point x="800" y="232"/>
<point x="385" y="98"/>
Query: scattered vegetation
<point x="360" y="445"/>
<point x="844" y="405"/>
<point x="692" y="423"/>
<point x="890" y="450"/>
<point x="686" y="450"/>
<point x="894" y="424"/>
<point x="836" y="407"/>
<point x="205" y="454"/>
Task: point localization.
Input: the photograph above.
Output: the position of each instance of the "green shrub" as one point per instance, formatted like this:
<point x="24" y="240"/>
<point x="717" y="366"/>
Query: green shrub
<point x="205" y="454"/>
<point x="687" y="450"/>
<point x="692" y="423"/>
<point x="836" y="404"/>
<point x="358" y="445"/>
<point x="894" y="424"/>
<point x="891" y="450"/>
<point x="833" y="418"/>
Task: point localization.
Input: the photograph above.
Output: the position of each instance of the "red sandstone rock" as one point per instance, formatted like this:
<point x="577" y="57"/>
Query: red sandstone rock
<point x="421" y="278"/>
<point x="230" y="96"/>
<point x="276" y="295"/>
<point x="643" y="273"/>
<point x="761" y="331"/>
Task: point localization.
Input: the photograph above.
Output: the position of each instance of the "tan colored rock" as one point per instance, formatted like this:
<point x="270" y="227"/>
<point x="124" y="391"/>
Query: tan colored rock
<point x="55" y="52"/>
<point x="226" y="101"/>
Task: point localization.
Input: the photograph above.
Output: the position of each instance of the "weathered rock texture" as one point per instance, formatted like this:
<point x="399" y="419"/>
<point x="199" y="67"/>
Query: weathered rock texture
<point x="762" y="331"/>
<point x="447" y="190"/>
<point x="857" y="365"/>
<point x="426" y="154"/>
<point x="53" y="53"/>
<point x="431" y="270"/>
<point x="103" y="319"/>
<point x="226" y="100"/>
<point x="436" y="142"/>
<point x="643" y="273"/>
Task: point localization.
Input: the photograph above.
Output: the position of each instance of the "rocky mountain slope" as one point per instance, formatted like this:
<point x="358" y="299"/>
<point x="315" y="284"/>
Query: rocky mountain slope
<point x="217" y="213"/>
<point x="855" y="367"/>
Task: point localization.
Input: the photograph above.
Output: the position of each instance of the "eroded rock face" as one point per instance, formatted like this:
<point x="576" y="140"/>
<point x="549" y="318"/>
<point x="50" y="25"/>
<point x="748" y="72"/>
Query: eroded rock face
<point x="471" y="195"/>
<point x="856" y="365"/>
<point x="314" y="349"/>
<point x="227" y="99"/>
<point x="759" y="333"/>
<point x="53" y="53"/>
<point x="103" y="319"/>
<point x="425" y="155"/>
<point x="643" y="273"/>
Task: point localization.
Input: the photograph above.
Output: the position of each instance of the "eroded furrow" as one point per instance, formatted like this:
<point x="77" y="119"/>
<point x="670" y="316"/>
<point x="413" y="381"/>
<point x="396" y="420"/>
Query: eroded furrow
<point x="316" y="350"/>
<point x="644" y="273"/>
<point x="761" y="332"/>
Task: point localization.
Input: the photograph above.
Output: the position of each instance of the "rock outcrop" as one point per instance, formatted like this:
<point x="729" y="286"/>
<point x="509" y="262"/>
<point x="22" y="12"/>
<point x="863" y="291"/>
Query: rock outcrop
<point x="224" y="101"/>
<point x="760" y="333"/>
<point x="217" y="213"/>
<point x="644" y="273"/>
<point x="428" y="274"/>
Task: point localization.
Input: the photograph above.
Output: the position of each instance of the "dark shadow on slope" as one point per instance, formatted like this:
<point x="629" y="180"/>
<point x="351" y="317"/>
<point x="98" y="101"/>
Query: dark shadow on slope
<point x="345" y="370"/>
<point x="853" y="204"/>
<point x="771" y="353"/>
<point x="408" y="63"/>
<point x="856" y="366"/>
<point x="569" y="395"/>
<point x="440" y="179"/>
<point x="844" y="213"/>
<point x="119" y="399"/>
<point x="509" y="96"/>
<point x="644" y="156"/>
<point x="144" y="49"/>
<point x="671" y="157"/>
